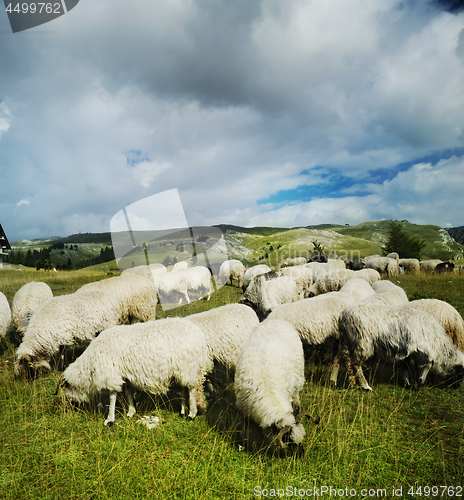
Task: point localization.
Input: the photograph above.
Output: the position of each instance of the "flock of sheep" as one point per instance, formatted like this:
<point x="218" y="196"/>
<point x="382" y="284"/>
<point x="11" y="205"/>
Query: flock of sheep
<point x="260" y="339"/>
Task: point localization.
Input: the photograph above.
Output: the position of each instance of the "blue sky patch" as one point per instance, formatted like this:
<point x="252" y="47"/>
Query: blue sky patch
<point x="334" y="184"/>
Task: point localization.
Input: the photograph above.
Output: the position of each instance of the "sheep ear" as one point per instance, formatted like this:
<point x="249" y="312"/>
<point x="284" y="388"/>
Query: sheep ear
<point x="302" y="414"/>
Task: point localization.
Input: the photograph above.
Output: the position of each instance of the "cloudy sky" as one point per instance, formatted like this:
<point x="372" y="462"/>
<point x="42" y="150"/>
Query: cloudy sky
<point x="260" y="112"/>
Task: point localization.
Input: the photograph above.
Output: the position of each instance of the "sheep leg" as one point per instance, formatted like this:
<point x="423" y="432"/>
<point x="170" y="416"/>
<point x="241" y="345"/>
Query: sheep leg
<point x="342" y="354"/>
<point x="361" y="378"/>
<point x="110" y="419"/>
<point x="192" y="404"/>
<point x="183" y="404"/>
<point x="130" y="401"/>
<point x="405" y="368"/>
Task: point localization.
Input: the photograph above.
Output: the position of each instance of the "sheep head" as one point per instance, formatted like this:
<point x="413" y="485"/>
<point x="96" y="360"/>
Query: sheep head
<point x="30" y="367"/>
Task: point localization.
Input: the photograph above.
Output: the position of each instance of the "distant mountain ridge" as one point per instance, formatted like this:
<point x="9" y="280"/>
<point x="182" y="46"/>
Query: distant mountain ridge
<point x="273" y="244"/>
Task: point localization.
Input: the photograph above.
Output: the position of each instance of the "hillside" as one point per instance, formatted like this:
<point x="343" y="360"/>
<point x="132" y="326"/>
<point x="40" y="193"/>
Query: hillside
<point x="251" y="245"/>
<point x="457" y="233"/>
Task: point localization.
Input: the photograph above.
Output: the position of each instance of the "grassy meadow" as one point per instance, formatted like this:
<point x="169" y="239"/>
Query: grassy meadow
<point x="388" y="439"/>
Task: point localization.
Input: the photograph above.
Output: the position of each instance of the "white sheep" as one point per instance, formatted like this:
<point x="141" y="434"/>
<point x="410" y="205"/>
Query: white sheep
<point x="5" y="315"/>
<point x="316" y="318"/>
<point x="172" y="288"/>
<point x="180" y="266"/>
<point x="199" y="281"/>
<point x="275" y="292"/>
<point x="302" y="276"/>
<point x="66" y="320"/>
<point x="137" y="296"/>
<point x="297" y="261"/>
<point x="370" y="275"/>
<point x="26" y="300"/>
<point x="146" y="271"/>
<point x="336" y="263"/>
<point x="399" y="334"/>
<point x="410" y="266"/>
<point x="231" y="270"/>
<point x="448" y="317"/>
<point x="268" y="379"/>
<point x="251" y="294"/>
<point x="226" y="329"/>
<point x="387" y="293"/>
<point x="358" y="288"/>
<point x="331" y="281"/>
<point x="383" y="265"/>
<point x="428" y="266"/>
<point x="147" y="356"/>
<point x="394" y="256"/>
<point x="252" y="272"/>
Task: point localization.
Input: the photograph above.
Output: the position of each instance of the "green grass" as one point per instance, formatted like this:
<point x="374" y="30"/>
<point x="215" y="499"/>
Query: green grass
<point x="388" y="439"/>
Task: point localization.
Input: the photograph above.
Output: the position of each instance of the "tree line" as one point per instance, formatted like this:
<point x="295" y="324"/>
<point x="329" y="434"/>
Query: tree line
<point x="45" y="259"/>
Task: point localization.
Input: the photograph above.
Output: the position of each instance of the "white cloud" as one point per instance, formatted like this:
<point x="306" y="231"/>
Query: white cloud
<point x="5" y="118"/>
<point x="24" y="201"/>
<point x="230" y="102"/>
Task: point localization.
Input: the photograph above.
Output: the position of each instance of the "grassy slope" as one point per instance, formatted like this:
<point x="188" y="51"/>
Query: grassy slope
<point x="390" y="438"/>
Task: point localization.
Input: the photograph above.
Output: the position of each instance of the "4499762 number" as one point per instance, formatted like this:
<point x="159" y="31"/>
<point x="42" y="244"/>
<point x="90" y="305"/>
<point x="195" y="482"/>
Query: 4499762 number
<point x="435" y="491"/>
<point x="33" y="8"/>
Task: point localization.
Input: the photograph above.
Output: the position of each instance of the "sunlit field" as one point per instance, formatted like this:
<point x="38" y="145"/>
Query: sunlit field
<point x="365" y="444"/>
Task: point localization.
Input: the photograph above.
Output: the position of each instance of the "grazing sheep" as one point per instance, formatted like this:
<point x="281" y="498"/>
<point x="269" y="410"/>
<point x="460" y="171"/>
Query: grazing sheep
<point x="5" y="315"/>
<point x="394" y="256"/>
<point x="26" y="300"/>
<point x="231" y="270"/>
<point x="268" y="379"/>
<point x="387" y="293"/>
<point x="395" y="333"/>
<point x="172" y="288"/>
<point x="336" y="263"/>
<point x="302" y="276"/>
<point x="275" y="292"/>
<point x="199" y="281"/>
<point x="358" y="288"/>
<point x="383" y="265"/>
<point x="180" y="266"/>
<point x="252" y="272"/>
<point x="410" y="266"/>
<point x="316" y="318"/>
<point x="446" y="315"/>
<point x="137" y="296"/>
<point x="370" y="275"/>
<point x="66" y="320"/>
<point x="445" y="267"/>
<point x="428" y="266"/>
<point x="146" y="271"/>
<point x="355" y="264"/>
<point x="146" y="356"/>
<point x="330" y="282"/>
<point x="297" y="261"/>
<point x="226" y="329"/>
<point x="251" y="295"/>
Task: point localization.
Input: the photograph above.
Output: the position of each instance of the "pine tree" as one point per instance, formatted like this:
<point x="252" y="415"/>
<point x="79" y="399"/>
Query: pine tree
<point x="405" y="245"/>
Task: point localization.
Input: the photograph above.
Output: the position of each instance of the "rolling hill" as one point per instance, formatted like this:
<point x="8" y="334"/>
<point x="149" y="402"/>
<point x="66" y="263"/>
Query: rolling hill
<point x="251" y="245"/>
